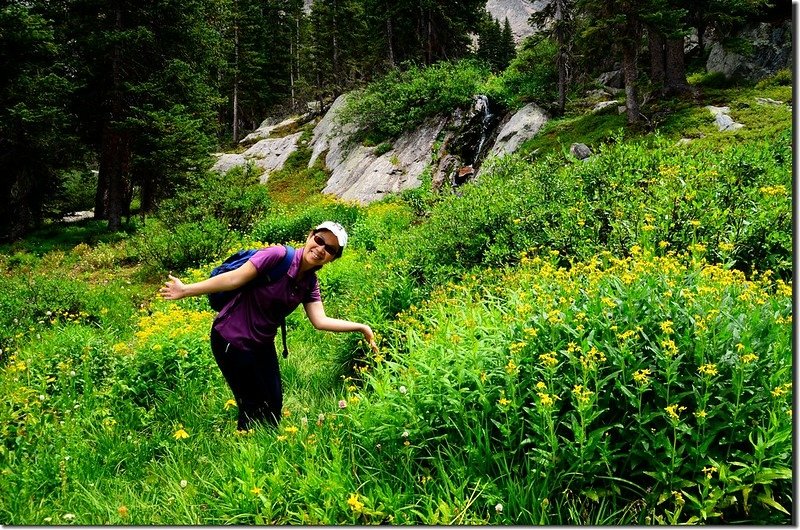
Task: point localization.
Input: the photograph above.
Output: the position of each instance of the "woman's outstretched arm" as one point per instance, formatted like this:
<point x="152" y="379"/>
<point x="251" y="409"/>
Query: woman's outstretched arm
<point x="175" y="289"/>
<point x="316" y="314"/>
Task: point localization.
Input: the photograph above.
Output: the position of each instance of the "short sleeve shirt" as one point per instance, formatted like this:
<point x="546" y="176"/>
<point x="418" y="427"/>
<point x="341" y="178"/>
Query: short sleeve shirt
<point x="253" y="317"/>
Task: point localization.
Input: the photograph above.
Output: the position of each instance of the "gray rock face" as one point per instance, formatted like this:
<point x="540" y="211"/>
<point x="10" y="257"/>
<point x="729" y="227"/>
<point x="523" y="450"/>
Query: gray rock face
<point x="328" y="135"/>
<point x="227" y="161"/>
<point x="517" y="12"/>
<point x="359" y="175"/>
<point x="580" y="151"/>
<point x="772" y="51"/>
<point x="268" y="155"/>
<point x="264" y="130"/>
<point x="523" y="125"/>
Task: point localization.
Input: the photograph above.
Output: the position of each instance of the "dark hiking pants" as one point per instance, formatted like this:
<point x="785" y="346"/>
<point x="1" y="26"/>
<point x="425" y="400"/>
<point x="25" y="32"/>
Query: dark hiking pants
<point x="255" y="379"/>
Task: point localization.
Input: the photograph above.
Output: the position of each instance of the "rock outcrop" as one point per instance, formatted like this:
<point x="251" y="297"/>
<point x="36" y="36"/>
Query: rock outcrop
<point x="523" y="125"/>
<point x="267" y="155"/>
<point x="365" y="177"/>
<point x="771" y="51"/>
<point x="358" y="173"/>
<point x="364" y="173"/>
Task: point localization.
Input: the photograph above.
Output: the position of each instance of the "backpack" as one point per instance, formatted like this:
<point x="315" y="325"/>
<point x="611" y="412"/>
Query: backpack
<point x="218" y="301"/>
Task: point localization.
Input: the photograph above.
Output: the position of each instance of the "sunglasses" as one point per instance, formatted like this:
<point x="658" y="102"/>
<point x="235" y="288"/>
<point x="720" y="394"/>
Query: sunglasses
<point x="330" y="249"/>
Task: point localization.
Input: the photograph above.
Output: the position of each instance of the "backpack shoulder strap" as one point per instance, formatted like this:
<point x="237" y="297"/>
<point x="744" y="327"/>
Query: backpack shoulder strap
<point x="282" y="267"/>
<point x="275" y="274"/>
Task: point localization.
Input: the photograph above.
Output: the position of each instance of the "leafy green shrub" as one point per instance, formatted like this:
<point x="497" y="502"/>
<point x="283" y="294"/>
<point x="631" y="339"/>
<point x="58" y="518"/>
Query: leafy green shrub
<point x="710" y="80"/>
<point x="235" y="200"/>
<point x="626" y="379"/>
<point x="176" y="247"/>
<point x="531" y="76"/>
<point x="76" y="191"/>
<point x="283" y="227"/>
<point x="403" y="100"/>
<point x="380" y="223"/>
<point x="780" y="78"/>
<point x="383" y="148"/>
<point x="34" y="303"/>
<point x="171" y="348"/>
<point x="729" y="205"/>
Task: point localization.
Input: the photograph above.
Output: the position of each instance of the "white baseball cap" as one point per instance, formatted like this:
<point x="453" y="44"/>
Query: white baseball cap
<point x="337" y="230"/>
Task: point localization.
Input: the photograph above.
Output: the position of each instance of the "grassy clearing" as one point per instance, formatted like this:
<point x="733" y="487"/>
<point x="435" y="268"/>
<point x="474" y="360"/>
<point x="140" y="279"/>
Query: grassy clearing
<point x="565" y="343"/>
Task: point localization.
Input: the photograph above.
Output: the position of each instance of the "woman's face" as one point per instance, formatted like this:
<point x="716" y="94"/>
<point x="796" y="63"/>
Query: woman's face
<point x="320" y="248"/>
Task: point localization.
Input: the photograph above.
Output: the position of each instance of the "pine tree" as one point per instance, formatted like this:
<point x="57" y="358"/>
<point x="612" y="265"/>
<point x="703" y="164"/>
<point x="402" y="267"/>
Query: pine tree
<point x="145" y="69"/>
<point x="34" y="119"/>
<point x="508" y="49"/>
<point x="557" y="20"/>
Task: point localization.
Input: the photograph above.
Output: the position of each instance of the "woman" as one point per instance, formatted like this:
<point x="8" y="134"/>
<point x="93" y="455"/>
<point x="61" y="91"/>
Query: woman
<point x="243" y="333"/>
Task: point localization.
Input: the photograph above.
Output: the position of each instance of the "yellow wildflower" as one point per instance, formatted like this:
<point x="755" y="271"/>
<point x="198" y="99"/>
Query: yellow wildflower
<point x="181" y="434"/>
<point x="669" y="347"/>
<point x="547" y="400"/>
<point x="709" y="369"/>
<point x="582" y="394"/>
<point x="549" y="359"/>
<point x="123" y="511"/>
<point x="666" y="327"/>
<point x="531" y="331"/>
<point x="725" y="247"/>
<point x="748" y="358"/>
<point x="772" y="190"/>
<point x="291" y="429"/>
<point x="503" y="402"/>
<point x="678" y="498"/>
<point x="697" y="247"/>
<point x="230" y="404"/>
<point x="674" y="411"/>
<point x="642" y="377"/>
<point x="781" y="390"/>
<point x="541" y="386"/>
<point x="709" y="470"/>
<point x="511" y="367"/>
<point x="256" y="490"/>
<point x="356" y="505"/>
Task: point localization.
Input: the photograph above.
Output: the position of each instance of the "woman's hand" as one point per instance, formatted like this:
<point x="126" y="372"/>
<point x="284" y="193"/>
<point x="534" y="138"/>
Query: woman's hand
<point x="174" y="289"/>
<point x="370" y="338"/>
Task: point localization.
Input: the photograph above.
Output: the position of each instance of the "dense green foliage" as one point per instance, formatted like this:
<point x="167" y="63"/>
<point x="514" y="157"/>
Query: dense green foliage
<point x="731" y="206"/>
<point x="562" y="342"/>
<point x="131" y="97"/>
<point x="401" y="101"/>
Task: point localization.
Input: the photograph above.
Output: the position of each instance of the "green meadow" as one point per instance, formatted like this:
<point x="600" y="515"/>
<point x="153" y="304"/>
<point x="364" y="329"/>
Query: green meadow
<point x="561" y="342"/>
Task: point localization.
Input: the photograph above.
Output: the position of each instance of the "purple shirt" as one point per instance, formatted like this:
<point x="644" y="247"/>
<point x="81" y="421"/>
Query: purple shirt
<point x="252" y="318"/>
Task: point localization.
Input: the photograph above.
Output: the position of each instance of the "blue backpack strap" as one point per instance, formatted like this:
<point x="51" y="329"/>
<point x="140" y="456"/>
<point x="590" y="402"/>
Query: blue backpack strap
<point x="275" y="274"/>
<point x="282" y="268"/>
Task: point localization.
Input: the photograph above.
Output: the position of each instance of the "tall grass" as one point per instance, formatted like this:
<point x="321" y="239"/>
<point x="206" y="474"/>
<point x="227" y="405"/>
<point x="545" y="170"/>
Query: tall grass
<point x="565" y="343"/>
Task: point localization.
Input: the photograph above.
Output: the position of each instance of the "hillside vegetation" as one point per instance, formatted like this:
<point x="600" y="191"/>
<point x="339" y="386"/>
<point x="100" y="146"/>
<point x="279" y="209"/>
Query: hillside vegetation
<point x="561" y="342"/>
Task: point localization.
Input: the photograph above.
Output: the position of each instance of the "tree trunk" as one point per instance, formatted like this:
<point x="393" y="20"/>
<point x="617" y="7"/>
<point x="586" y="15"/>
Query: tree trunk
<point x="430" y="38"/>
<point x="675" y="67"/>
<point x="18" y="215"/>
<point x="630" y="55"/>
<point x="561" y="17"/>
<point x="389" y="40"/>
<point x="115" y="160"/>
<point x="335" y="50"/>
<point x="655" y="43"/>
<point x="113" y="198"/>
<point x="235" y="82"/>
